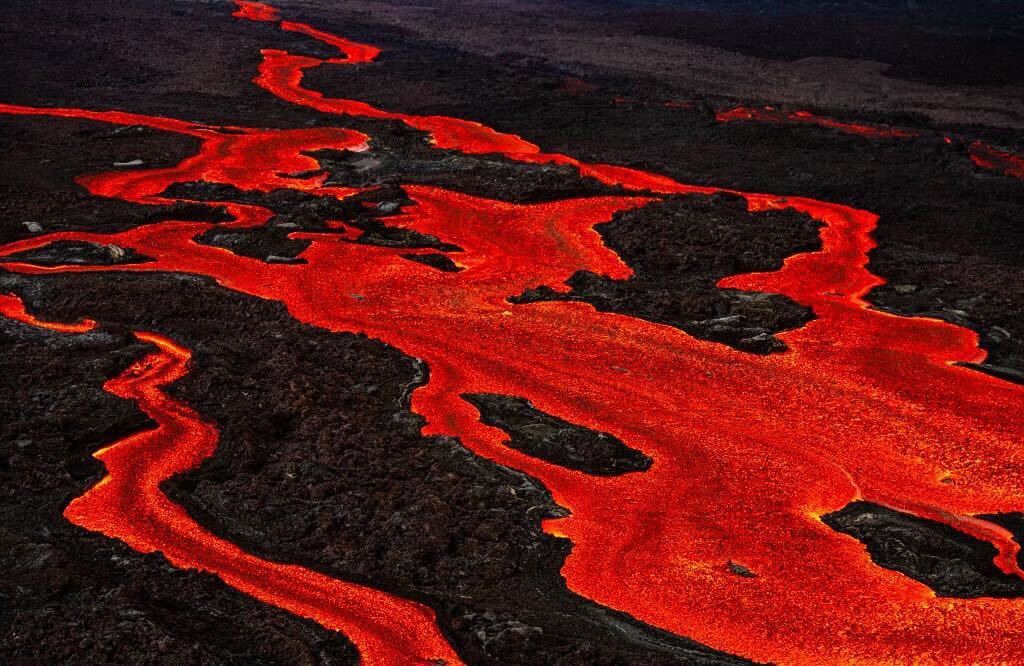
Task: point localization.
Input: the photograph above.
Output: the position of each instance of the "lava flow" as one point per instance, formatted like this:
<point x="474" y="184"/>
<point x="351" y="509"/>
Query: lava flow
<point x="990" y="157"/>
<point x="769" y="114"/>
<point x="982" y="154"/>
<point x="13" y="307"/>
<point x="748" y="451"/>
<point x="128" y="504"/>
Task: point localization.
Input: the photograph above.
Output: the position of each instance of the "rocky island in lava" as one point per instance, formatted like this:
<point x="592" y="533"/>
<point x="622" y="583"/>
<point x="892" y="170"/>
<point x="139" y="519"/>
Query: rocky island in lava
<point x="512" y="332"/>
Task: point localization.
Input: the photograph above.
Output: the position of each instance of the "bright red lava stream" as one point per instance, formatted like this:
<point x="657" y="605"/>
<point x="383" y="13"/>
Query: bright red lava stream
<point x="128" y="505"/>
<point x="13" y="307"/>
<point x="749" y="451"/>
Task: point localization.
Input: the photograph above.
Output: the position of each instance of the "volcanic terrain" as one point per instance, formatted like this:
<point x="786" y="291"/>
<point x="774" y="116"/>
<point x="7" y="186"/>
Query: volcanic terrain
<point x="511" y="332"/>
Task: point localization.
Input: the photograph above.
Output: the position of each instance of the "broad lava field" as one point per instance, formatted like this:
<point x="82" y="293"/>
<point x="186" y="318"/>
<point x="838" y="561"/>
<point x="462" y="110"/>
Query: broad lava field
<point x="511" y="332"/>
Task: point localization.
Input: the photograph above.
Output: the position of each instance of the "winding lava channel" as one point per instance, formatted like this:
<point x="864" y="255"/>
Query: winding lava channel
<point x="748" y="450"/>
<point x="128" y="505"/>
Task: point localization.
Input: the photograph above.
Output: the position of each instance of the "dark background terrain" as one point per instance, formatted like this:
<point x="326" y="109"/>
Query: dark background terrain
<point x="321" y="462"/>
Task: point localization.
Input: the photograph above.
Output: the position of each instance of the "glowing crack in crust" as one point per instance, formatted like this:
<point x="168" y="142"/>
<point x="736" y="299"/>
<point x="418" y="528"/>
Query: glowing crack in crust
<point x="748" y="451"/>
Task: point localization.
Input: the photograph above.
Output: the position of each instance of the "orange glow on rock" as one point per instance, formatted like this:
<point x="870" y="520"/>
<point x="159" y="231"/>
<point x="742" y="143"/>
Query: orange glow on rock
<point x="748" y="451"/>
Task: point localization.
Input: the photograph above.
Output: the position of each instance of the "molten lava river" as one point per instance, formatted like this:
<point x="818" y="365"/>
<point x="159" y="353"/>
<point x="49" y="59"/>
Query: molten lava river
<point x="748" y="451"/>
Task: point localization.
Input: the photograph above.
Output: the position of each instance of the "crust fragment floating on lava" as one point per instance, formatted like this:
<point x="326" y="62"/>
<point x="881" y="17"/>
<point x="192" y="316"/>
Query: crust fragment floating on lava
<point x="748" y="452"/>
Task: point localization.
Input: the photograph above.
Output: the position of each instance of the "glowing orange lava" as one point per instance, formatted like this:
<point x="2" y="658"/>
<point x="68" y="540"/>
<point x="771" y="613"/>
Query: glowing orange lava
<point x="255" y="11"/>
<point x="748" y="451"/>
<point x="13" y="307"/>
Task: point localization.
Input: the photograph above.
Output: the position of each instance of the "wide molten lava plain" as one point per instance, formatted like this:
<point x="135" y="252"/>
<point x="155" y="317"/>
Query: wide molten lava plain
<point x="332" y="336"/>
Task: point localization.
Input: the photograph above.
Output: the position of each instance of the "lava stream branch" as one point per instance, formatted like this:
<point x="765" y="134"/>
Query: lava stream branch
<point x="12" y="307"/>
<point x="127" y="504"/>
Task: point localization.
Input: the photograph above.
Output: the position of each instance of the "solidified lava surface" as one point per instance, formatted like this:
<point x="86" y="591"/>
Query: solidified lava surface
<point x="409" y="389"/>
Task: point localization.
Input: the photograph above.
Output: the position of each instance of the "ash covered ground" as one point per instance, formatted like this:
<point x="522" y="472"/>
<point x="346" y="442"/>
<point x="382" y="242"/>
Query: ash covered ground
<point x="422" y="517"/>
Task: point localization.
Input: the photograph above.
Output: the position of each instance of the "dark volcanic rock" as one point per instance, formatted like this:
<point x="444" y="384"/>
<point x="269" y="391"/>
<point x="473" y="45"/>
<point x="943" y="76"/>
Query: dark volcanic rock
<point x="375" y="232"/>
<point x="264" y="243"/>
<point x="1014" y="523"/>
<point x="950" y="562"/>
<point x="61" y="252"/>
<point x="541" y="435"/>
<point x="964" y="287"/>
<point x="40" y="157"/>
<point x="439" y="261"/>
<point x="300" y="208"/>
<point x="942" y="42"/>
<point x="399" y="155"/>
<point x="678" y="250"/>
<point x="299" y="211"/>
